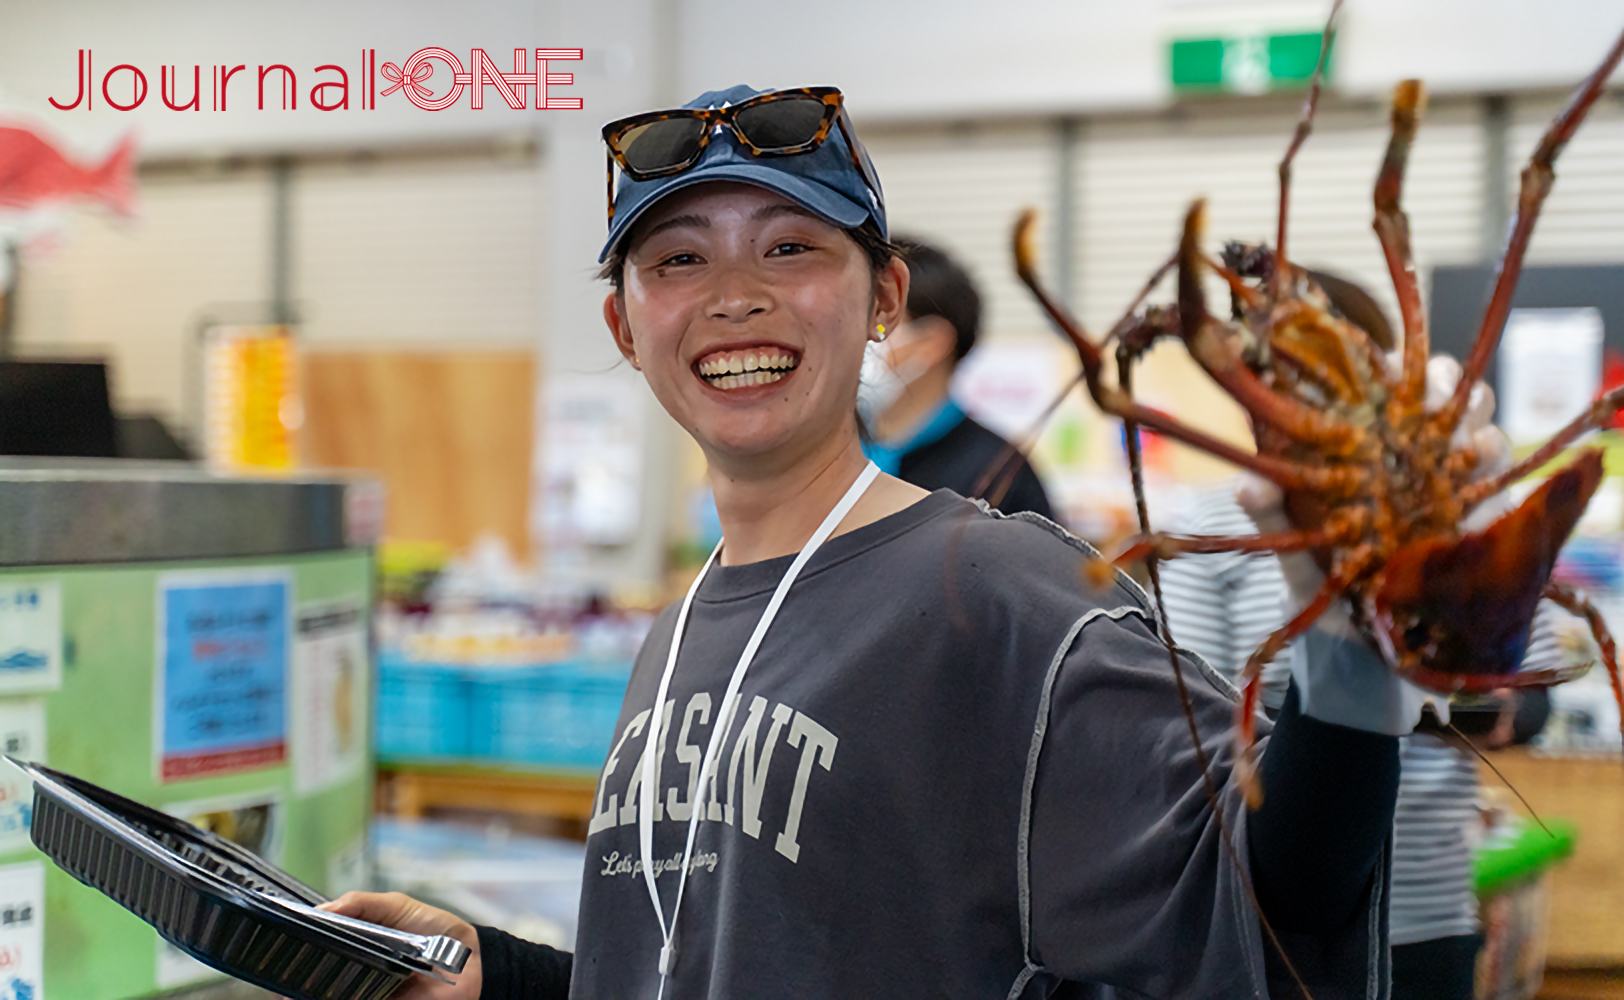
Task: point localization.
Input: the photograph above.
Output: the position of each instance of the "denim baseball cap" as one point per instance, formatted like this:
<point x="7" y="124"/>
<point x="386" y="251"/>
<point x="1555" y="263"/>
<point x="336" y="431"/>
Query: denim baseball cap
<point x="824" y="181"/>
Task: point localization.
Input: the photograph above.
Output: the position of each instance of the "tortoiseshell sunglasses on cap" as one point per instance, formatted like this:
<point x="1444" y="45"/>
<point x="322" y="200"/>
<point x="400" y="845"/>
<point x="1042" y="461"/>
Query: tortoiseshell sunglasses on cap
<point x="779" y="123"/>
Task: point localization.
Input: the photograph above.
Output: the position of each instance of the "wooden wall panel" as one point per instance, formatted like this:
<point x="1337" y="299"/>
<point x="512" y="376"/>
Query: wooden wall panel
<point x="1587" y="891"/>
<point x="1565" y="984"/>
<point x="449" y="432"/>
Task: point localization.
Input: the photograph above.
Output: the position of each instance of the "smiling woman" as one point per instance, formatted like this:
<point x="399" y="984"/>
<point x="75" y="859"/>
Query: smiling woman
<point x="748" y="314"/>
<point x="952" y="766"/>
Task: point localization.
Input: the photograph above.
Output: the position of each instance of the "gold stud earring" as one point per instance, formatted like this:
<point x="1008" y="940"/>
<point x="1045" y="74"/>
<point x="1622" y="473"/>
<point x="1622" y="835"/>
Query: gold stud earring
<point x="879" y="328"/>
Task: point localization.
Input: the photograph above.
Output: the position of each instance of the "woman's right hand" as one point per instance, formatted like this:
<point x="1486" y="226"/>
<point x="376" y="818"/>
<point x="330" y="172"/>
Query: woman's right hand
<point x="392" y="909"/>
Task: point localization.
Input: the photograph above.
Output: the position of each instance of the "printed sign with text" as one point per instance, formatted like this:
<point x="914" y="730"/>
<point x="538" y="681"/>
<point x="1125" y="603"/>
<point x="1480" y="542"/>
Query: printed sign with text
<point x="22" y="735"/>
<point x="30" y="637"/>
<point x="222" y="675"/>
<point x="330" y="684"/>
<point x="22" y="931"/>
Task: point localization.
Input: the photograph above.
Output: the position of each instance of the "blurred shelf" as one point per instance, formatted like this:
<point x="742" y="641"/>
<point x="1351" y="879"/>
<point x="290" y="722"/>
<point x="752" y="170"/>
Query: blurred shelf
<point x="411" y="789"/>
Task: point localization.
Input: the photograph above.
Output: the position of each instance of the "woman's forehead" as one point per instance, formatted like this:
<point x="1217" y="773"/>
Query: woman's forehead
<point x="714" y="201"/>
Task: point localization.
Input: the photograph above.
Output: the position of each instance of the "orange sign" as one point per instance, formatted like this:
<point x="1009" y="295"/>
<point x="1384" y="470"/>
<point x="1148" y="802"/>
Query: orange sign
<point x="251" y="397"/>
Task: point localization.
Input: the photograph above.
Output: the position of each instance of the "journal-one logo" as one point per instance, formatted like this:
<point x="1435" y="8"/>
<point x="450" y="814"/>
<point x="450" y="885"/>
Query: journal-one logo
<point x="125" y="86"/>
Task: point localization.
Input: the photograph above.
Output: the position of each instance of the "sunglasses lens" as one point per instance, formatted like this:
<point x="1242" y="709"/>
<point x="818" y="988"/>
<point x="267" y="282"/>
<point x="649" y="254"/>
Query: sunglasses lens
<point x="662" y="144"/>
<point x="782" y="124"/>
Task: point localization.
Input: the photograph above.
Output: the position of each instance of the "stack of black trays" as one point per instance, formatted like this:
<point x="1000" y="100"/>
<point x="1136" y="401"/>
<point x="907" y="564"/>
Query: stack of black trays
<point x="221" y="904"/>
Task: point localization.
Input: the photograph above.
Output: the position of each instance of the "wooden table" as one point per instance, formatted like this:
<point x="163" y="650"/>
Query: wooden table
<point x="410" y="789"/>
<point x="1587" y="890"/>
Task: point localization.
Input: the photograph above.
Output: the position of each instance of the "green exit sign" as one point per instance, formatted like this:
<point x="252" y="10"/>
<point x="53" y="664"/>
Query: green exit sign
<point x="1246" y="64"/>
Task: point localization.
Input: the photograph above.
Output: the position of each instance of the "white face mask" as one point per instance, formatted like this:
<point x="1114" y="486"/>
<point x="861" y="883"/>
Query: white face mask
<point x="882" y="382"/>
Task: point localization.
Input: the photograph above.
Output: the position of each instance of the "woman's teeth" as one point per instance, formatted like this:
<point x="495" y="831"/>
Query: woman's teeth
<point x="746" y="368"/>
<point x="747" y="379"/>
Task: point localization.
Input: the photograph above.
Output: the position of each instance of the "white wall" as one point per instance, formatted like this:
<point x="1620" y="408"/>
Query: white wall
<point x="437" y="253"/>
<point x="922" y="59"/>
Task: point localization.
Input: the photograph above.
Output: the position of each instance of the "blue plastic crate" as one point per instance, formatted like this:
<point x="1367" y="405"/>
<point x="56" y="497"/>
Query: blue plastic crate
<point x="422" y="709"/>
<point x="553" y="715"/>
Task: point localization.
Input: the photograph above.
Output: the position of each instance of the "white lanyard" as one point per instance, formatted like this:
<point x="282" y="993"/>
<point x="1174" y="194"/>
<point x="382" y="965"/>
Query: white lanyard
<point x="724" y="719"/>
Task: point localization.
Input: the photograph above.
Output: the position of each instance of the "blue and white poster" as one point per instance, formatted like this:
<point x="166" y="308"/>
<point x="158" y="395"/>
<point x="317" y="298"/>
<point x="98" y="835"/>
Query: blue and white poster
<point x="30" y="637"/>
<point x="223" y="647"/>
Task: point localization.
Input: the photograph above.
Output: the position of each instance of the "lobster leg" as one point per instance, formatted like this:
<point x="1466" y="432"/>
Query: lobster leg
<point x="1570" y="600"/>
<point x="1164" y="545"/>
<point x="1393" y="230"/>
<point x="1434" y="680"/>
<point x="1537" y="179"/>
<point x="1599" y="413"/>
<point x="1576" y="603"/>
<point x="998" y="478"/>
<point x="1305" y="125"/>
<point x="1336" y="481"/>
<point x="1126" y="324"/>
<point x="1251" y="679"/>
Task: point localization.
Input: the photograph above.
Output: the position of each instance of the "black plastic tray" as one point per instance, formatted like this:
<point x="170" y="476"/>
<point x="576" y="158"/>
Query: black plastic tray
<point x="221" y="904"/>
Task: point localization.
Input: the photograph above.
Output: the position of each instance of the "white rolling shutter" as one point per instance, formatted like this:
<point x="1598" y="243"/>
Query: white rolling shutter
<point x="1136" y="179"/>
<point x="442" y="253"/>
<point x="962" y="189"/>
<point x="1583" y="219"/>
<point x="433" y="252"/>
<point x="134" y="290"/>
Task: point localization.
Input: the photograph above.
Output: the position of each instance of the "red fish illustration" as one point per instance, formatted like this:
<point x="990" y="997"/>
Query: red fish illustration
<point x="33" y="171"/>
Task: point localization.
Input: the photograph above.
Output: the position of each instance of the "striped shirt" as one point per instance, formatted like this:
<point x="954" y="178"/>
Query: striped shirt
<point x="1432" y="861"/>
<point x="1224" y="605"/>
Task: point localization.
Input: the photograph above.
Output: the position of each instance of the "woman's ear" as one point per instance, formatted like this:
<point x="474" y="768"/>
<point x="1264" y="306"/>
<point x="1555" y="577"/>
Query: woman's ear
<point x="614" y="316"/>
<point x="891" y="295"/>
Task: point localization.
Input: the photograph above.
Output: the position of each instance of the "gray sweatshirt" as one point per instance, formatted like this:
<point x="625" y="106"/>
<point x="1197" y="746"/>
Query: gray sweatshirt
<point x="955" y="770"/>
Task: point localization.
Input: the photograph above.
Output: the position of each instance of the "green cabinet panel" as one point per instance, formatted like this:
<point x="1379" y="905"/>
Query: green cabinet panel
<point x="100" y="726"/>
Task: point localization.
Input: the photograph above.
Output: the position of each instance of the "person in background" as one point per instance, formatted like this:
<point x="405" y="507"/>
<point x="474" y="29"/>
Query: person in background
<point x="916" y="431"/>
<point x="1223" y="605"/>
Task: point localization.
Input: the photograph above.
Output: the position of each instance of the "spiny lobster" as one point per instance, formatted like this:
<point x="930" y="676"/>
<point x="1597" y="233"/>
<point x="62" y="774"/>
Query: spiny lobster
<point x="1372" y="484"/>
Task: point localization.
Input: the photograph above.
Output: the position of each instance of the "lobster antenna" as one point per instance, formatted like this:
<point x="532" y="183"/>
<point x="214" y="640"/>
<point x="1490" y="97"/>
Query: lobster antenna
<point x="1125" y="358"/>
<point x="1001" y="474"/>
<point x="1503" y="780"/>
<point x="1305" y="125"/>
